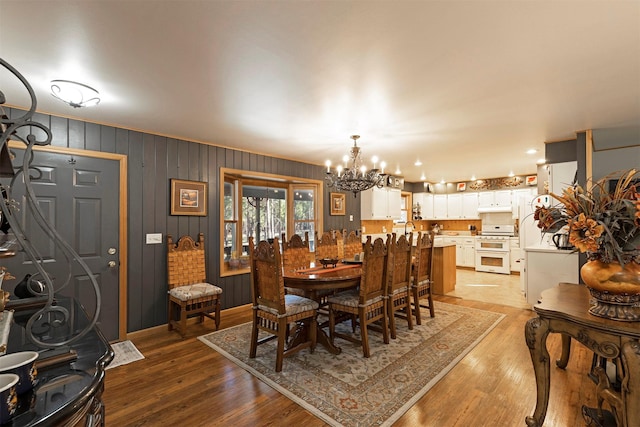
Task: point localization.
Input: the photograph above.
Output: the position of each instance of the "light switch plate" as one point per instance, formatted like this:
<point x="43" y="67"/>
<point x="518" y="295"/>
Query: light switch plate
<point x="154" y="238"/>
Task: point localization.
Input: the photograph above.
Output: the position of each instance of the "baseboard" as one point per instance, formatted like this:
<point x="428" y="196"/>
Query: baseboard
<point x="147" y="331"/>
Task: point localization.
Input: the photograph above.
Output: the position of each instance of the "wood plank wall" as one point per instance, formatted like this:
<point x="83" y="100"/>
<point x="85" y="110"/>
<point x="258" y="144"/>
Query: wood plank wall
<point x="153" y="160"/>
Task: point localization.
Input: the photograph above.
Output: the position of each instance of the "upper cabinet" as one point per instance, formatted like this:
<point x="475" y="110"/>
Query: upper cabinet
<point x="494" y="201"/>
<point x="381" y="203"/>
<point x="470" y="206"/>
<point x="454" y="206"/>
<point x="440" y="206"/>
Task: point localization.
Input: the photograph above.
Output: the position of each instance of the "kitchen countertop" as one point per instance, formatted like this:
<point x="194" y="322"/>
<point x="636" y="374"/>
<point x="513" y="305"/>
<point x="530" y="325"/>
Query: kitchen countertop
<point x="550" y="249"/>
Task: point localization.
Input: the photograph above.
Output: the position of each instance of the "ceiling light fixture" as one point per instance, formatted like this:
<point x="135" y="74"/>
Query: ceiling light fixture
<point x="418" y="163"/>
<point x="541" y="161"/>
<point x="532" y="151"/>
<point x="75" y="94"/>
<point x="354" y="176"/>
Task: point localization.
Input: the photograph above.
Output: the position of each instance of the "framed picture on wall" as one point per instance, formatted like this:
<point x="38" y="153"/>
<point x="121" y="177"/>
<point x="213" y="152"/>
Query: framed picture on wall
<point x="188" y="197"/>
<point x="337" y="204"/>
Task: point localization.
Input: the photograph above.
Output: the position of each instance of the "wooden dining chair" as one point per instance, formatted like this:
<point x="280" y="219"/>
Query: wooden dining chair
<point x="295" y="256"/>
<point x="295" y="252"/>
<point x="421" y="278"/>
<point x="352" y="245"/>
<point x="399" y="280"/>
<point x="369" y="302"/>
<point x="339" y="237"/>
<point x="273" y="311"/>
<point x="189" y="292"/>
<point x="326" y="246"/>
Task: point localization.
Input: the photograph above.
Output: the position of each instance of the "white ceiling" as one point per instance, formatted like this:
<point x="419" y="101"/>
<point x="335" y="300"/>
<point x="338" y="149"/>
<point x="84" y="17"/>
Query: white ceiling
<point x="464" y="86"/>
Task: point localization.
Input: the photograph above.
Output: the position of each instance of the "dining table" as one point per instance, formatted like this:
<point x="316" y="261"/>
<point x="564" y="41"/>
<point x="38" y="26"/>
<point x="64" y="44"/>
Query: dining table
<point x="316" y="283"/>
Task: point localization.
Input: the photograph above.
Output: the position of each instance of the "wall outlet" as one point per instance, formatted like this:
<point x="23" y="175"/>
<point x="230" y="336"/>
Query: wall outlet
<point x="350" y="217"/>
<point x="154" y="238"/>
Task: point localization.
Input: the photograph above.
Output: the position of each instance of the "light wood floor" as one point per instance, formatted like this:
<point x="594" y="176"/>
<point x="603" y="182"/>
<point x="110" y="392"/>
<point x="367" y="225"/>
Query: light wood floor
<point x="186" y="383"/>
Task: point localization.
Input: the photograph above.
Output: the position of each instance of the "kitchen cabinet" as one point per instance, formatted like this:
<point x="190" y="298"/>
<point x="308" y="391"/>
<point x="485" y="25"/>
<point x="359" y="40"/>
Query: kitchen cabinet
<point x="545" y="268"/>
<point x="454" y="206"/>
<point x="380" y="203"/>
<point x="444" y="268"/>
<point x="470" y="206"/>
<point x="462" y="206"/>
<point x="440" y="206"/>
<point x="465" y="250"/>
<point x="495" y="199"/>
<point x="427" y="207"/>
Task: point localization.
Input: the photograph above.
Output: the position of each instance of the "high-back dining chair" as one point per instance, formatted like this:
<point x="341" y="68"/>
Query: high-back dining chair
<point x="273" y="311"/>
<point x="369" y="302"/>
<point x="398" y="279"/>
<point x="295" y="252"/>
<point x="189" y="292"/>
<point x="421" y="279"/>
<point x="352" y="245"/>
<point x="326" y="246"/>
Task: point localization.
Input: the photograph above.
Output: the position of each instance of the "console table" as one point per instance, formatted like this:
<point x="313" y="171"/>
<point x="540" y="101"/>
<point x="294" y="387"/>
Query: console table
<point x="564" y="309"/>
<point x="70" y="378"/>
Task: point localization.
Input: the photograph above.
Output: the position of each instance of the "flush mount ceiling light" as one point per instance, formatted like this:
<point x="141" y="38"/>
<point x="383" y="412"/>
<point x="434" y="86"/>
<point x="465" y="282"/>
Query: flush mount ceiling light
<point x="354" y="176"/>
<point x="75" y="94"/>
<point x="532" y="151"/>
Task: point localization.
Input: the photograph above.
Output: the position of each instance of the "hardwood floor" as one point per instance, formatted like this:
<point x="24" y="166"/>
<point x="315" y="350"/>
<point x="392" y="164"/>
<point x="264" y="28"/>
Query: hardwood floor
<point x="184" y="382"/>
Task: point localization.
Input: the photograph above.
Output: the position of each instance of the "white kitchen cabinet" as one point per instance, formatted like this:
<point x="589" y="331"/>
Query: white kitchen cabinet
<point x="545" y="268"/>
<point x="440" y="206"/>
<point x="425" y="200"/>
<point x="427" y="208"/>
<point x="462" y="206"/>
<point x="502" y="198"/>
<point x="494" y="201"/>
<point x="470" y="206"/>
<point x="454" y="206"/>
<point x="465" y="250"/>
<point x="468" y="252"/>
<point x="380" y="203"/>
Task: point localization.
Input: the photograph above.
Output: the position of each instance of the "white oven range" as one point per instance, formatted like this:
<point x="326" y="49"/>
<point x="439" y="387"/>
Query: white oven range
<point x="492" y="249"/>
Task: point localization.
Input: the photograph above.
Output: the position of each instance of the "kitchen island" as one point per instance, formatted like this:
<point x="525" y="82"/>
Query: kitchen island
<point x="444" y="268"/>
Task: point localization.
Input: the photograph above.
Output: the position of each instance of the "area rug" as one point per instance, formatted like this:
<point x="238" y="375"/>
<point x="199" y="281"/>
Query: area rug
<point x="350" y="390"/>
<point x="125" y="352"/>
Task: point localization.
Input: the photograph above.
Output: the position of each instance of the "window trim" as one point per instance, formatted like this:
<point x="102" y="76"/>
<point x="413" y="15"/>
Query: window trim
<point x="253" y="178"/>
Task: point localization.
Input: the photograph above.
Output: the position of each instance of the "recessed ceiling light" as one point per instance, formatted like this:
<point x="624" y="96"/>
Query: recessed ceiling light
<point x="541" y="161"/>
<point x="511" y="174"/>
<point x="418" y="163"/>
<point x="473" y="177"/>
<point x="532" y="151"/>
<point x="398" y="171"/>
<point x="422" y="178"/>
<point x="442" y="181"/>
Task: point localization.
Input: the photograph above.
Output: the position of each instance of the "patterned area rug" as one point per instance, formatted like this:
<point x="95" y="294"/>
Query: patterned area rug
<point x="350" y="390"/>
<point x="125" y="352"/>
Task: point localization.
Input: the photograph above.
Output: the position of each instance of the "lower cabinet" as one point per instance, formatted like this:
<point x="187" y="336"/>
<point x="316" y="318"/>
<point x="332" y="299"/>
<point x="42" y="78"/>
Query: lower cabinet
<point x="545" y="268"/>
<point x="465" y="250"/>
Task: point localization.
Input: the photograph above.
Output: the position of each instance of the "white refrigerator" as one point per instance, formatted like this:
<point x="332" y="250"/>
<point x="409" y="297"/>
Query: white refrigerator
<point x="528" y="232"/>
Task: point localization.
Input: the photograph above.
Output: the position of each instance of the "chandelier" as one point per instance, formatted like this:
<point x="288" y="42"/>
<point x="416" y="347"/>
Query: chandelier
<point x="354" y="176"/>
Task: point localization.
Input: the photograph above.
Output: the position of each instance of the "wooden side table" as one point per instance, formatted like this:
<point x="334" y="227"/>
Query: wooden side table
<point x="564" y="309"/>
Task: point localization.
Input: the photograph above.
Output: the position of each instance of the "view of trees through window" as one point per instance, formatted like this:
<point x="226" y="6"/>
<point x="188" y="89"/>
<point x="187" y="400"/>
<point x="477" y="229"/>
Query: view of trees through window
<point x="264" y="209"/>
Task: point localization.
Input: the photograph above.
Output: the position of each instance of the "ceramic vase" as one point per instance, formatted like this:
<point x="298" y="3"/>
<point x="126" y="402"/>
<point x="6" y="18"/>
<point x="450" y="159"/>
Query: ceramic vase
<point x="615" y="290"/>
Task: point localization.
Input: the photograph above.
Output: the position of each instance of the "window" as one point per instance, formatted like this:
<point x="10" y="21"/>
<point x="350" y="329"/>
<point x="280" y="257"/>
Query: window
<point x="264" y="207"/>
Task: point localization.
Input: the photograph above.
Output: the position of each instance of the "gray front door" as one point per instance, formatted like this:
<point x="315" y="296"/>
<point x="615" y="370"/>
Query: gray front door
<point x="80" y="196"/>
